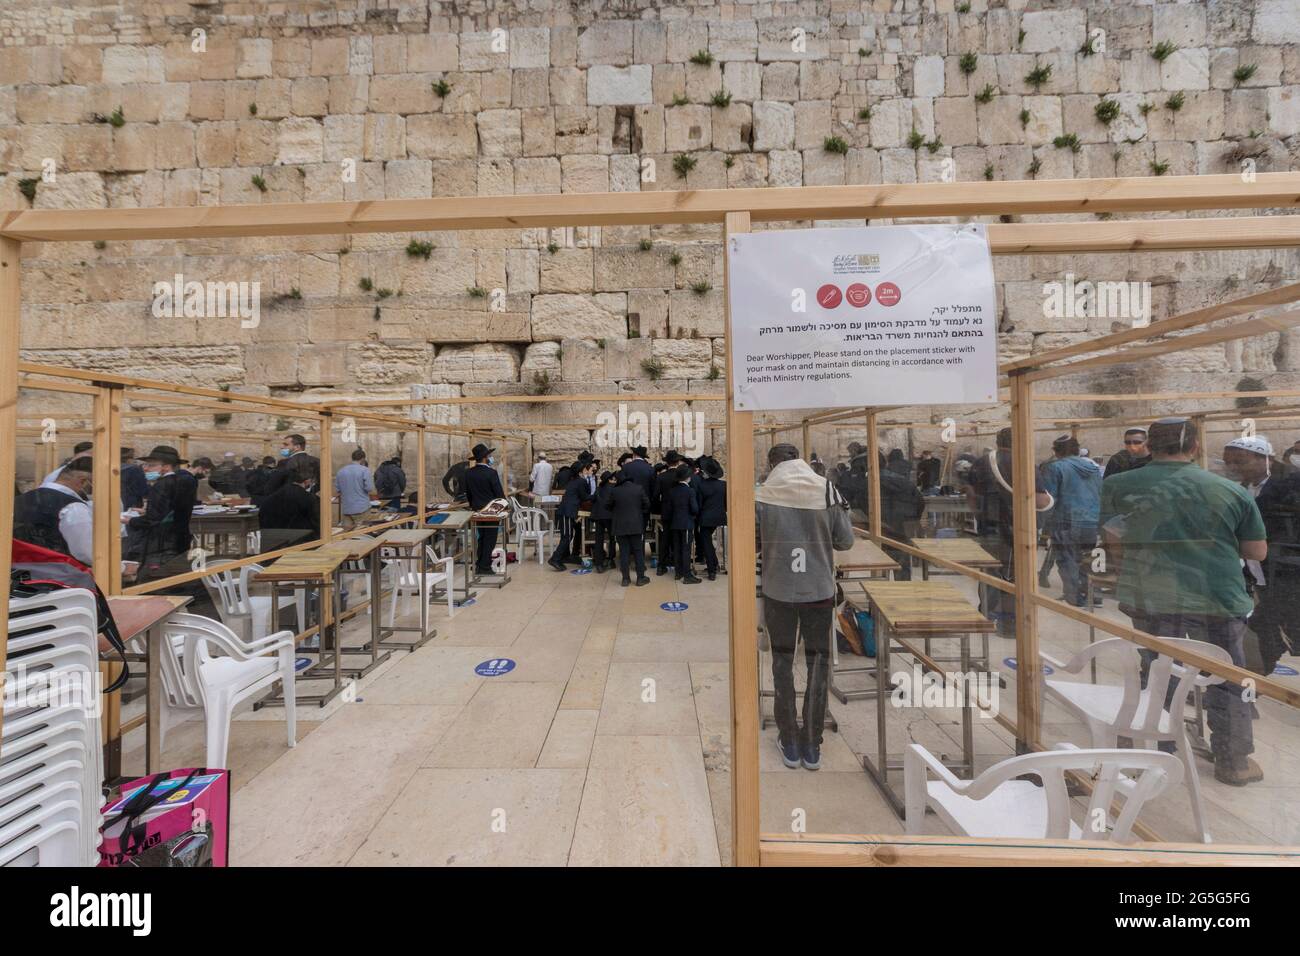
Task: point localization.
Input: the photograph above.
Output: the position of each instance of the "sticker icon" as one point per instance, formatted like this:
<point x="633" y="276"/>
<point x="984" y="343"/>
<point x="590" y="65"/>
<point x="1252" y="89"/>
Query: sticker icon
<point x="674" y="606"/>
<point x="1010" y="662"/>
<point x="581" y="571"/>
<point x="495" y="667"/>
<point x="857" y="295"/>
<point x="829" y="296"/>
<point x="1281" y="670"/>
<point x="887" y="294"/>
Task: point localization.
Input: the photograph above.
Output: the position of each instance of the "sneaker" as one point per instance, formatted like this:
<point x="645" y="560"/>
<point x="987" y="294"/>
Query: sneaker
<point x="789" y="754"/>
<point x="812" y="757"/>
<point x="690" y="579"/>
<point x="642" y="581"/>
<point x="625" y="582"/>
<point x="1237" y="772"/>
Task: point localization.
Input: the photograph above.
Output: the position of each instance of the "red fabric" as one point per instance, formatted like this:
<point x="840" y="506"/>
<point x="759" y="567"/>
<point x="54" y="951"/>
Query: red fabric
<point x="24" y="553"/>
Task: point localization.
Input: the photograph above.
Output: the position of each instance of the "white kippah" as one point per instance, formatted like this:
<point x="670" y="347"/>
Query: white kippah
<point x="1257" y="444"/>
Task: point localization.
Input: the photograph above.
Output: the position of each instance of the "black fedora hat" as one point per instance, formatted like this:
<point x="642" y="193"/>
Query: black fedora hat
<point x="671" y="456"/>
<point x="166" y="454"/>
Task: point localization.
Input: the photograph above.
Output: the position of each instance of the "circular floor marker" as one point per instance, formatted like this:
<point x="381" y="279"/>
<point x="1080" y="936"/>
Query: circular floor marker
<point x="581" y="571"/>
<point x="495" y="667"/>
<point x="1281" y="670"/>
<point x="467" y="602"/>
<point x="674" y="606"/>
<point x="302" y="663"/>
<point x="1011" y="663"/>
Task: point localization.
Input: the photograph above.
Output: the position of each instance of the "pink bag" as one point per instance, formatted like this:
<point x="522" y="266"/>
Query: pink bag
<point x="172" y="819"/>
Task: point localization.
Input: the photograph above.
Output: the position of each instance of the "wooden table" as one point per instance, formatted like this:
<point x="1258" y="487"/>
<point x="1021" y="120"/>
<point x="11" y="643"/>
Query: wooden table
<point x="917" y="608"/>
<point x="306" y="569"/>
<point x="865" y="559"/>
<point x="968" y="553"/>
<point x="139" y="616"/>
<point x="411" y="544"/>
<point x="457" y="524"/>
<point x="222" y="527"/>
<point x="366" y="550"/>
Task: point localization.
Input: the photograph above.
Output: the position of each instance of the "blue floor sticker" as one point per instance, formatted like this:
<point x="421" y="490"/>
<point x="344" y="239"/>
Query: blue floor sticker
<point x="302" y="663"/>
<point x="673" y="606"/>
<point x="495" y="667"/>
<point x="1281" y="670"/>
<point x="581" y="571"/>
<point x="1011" y="663"/>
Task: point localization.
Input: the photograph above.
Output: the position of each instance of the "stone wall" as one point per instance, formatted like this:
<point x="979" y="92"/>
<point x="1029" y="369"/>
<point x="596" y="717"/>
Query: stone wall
<point x="331" y="100"/>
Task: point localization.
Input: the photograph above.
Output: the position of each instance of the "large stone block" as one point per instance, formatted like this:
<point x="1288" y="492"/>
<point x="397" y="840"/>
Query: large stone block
<point x="560" y="316"/>
<point x="682" y="358"/>
<point x="618" y="86"/>
<point x="688" y="128"/>
<point x="700" y="315"/>
<point x="623" y="267"/>
<point x="774" y="125"/>
<point x="583" y="360"/>
<point x="483" y="362"/>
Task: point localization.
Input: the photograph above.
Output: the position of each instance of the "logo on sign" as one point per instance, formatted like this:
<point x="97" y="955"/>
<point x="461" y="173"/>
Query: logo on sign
<point x="887" y="294"/>
<point x="857" y="295"/>
<point x="495" y="667"/>
<point x="828" y="296"/>
<point x="673" y="606"/>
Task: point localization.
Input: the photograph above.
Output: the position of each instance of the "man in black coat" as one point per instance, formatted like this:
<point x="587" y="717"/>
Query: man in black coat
<point x="481" y="485"/>
<point x="665" y="481"/>
<point x="680" y="511"/>
<point x="258" y="483"/>
<point x="566" y="515"/>
<point x="163" y="531"/>
<point x="712" y="491"/>
<point x="293" y="506"/>
<point x="453" y="482"/>
<point x="602" y="514"/>
<point x="630" y="506"/>
<point x="293" y="451"/>
<point x="901" y="502"/>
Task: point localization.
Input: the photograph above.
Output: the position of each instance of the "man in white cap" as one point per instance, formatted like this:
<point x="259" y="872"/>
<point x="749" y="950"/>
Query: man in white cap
<point x="540" y="479"/>
<point x="1276" y="579"/>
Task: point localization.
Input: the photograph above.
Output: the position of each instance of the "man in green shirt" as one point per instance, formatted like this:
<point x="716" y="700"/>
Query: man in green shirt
<point x="1181" y="534"/>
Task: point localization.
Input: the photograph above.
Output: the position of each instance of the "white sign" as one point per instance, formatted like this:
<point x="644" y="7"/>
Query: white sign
<point x="881" y="315"/>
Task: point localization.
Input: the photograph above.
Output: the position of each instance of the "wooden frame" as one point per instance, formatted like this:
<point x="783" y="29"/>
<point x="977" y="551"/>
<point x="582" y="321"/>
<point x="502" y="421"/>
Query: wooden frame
<point x="735" y="210"/>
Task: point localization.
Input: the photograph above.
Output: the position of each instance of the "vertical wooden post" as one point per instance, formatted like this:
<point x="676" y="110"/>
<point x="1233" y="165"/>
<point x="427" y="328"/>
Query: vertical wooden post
<point x="106" y="511"/>
<point x="1025" y="551"/>
<point x="419" y="477"/>
<point x="1203" y="455"/>
<point x="325" y="487"/>
<point x="742" y="584"/>
<point x="873" y="472"/>
<point x="807" y="440"/>
<point x="10" y="338"/>
<point x="183" y="445"/>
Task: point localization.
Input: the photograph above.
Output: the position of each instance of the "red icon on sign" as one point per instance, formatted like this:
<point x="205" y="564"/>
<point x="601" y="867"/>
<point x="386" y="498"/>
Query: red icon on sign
<point x="887" y="294"/>
<point x="857" y="295"/>
<point x="828" y="296"/>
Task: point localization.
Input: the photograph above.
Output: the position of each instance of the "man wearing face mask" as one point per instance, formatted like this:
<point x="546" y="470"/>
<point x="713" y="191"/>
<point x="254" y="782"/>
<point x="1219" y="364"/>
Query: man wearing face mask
<point x="293" y="451"/>
<point x="57" y="515"/>
<point x="1275" y="580"/>
<point x="1178" y="535"/>
<point x="163" y="531"/>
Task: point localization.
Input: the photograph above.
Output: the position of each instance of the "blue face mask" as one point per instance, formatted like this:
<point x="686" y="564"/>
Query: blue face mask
<point x="285" y="452"/>
<point x="153" y="475"/>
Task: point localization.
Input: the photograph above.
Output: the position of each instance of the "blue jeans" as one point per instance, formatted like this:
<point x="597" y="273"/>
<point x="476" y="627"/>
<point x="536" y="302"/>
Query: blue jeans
<point x="1071" y="547"/>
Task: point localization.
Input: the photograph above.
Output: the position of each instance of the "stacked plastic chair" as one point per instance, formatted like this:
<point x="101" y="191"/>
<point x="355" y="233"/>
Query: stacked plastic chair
<point x="51" y="759"/>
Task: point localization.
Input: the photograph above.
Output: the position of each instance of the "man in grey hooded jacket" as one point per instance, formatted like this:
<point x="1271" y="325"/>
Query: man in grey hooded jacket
<point x="801" y="521"/>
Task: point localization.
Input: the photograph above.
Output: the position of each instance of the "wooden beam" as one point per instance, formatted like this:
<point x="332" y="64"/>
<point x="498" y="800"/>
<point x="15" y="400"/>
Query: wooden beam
<point x="742" y="583"/>
<point x="1264" y="325"/>
<point x="10" y="339"/>
<point x="1034" y="197"/>
<point x="1282" y="295"/>
<point x="1143" y="235"/>
<point x="874" y="523"/>
<point x="628" y="398"/>
<point x="1025" y="552"/>
<point x="930" y="851"/>
<point x="325" y="488"/>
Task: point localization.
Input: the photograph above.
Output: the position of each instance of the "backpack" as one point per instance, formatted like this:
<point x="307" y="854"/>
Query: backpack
<point x="36" y="570"/>
<point x="390" y="480"/>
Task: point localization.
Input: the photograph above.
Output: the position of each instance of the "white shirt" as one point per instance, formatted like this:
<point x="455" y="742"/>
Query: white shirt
<point x="541" y="478"/>
<point x="76" y="524"/>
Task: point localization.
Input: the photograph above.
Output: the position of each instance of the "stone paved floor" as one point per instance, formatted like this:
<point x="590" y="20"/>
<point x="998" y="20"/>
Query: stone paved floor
<point x="607" y="744"/>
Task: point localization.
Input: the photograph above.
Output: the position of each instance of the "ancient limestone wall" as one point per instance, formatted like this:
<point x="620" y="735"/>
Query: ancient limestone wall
<point x="348" y="100"/>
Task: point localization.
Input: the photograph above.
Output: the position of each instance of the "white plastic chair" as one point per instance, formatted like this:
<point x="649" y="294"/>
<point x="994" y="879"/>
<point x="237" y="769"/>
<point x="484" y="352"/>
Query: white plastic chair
<point x="996" y="804"/>
<point x="248" y="614"/>
<point x="194" y="677"/>
<point x="1111" y="711"/>
<point x="409" y="583"/>
<point x="532" y="525"/>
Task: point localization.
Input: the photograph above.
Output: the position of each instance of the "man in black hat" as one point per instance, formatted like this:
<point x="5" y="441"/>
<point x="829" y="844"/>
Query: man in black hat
<point x="163" y="531"/>
<point x="482" y="484"/>
<point x="292" y="506"/>
<point x="630" y="505"/>
<point x="566" y="515"/>
<point x="712" y="491"/>
<point x="453" y="482"/>
<point x="664" y="484"/>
